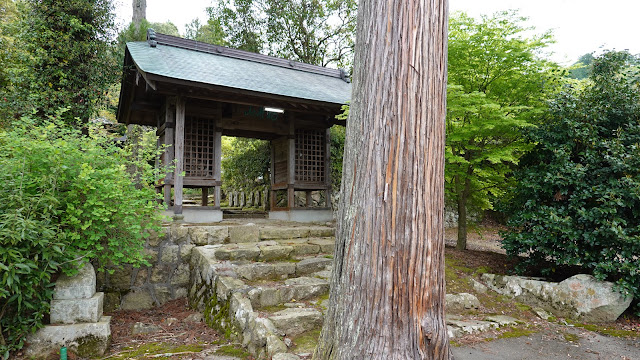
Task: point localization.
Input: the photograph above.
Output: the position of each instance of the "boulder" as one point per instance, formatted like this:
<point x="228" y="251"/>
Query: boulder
<point x="579" y="297"/>
<point x="461" y="302"/>
<point x="593" y="300"/>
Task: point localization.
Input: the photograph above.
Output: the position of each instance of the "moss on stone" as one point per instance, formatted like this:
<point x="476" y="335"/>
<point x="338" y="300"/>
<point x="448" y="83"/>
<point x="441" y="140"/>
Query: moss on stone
<point x="607" y="330"/>
<point x="232" y="350"/>
<point x="306" y="342"/>
<point x="515" y="332"/>
<point x="151" y="350"/>
<point x="571" y="337"/>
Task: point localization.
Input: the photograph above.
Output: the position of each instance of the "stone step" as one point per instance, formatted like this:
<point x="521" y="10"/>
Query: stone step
<point x="271" y="250"/>
<point x="296" y="321"/>
<point x="295" y="289"/>
<point x="253" y="271"/>
<point x="247" y="233"/>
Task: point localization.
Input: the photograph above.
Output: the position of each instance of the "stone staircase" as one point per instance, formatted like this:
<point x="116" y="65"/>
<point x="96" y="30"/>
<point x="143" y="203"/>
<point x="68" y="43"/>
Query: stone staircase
<point x="270" y="294"/>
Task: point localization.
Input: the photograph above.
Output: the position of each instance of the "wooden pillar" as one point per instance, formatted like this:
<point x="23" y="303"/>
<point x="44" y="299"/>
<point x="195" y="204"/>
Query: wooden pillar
<point x="217" y="171"/>
<point x="291" y="165"/>
<point x="272" y="192"/>
<point x="327" y="167"/>
<point x="179" y="154"/>
<point x="169" y="140"/>
<point x="205" y="196"/>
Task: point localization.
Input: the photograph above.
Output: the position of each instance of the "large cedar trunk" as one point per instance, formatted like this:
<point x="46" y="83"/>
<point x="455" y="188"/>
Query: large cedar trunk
<point x="387" y="295"/>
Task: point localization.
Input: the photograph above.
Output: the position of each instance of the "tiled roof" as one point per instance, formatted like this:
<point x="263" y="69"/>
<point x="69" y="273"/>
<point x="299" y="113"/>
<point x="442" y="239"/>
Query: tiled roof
<point x="189" y="60"/>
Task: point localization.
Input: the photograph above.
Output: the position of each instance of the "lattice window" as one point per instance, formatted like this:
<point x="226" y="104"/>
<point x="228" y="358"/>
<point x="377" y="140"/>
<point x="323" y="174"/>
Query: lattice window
<point x="199" y="135"/>
<point x="310" y="156"/>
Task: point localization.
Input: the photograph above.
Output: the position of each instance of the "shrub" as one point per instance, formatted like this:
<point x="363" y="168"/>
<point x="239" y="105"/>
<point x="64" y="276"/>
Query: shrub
<point x="65" y="199"/>
<point x="578" y="198"/>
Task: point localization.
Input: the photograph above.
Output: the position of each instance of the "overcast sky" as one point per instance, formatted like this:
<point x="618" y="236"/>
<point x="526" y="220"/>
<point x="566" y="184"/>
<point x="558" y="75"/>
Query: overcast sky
<point x="579" y="26"/>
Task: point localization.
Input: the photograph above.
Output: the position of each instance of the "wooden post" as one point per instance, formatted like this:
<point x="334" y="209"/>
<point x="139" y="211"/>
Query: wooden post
<point x="291" y="165"/>
<point x="217" y="171"/>
<point x="169" y="124"/>
<point x="272" y="192"/>
<point x="178" y="177"/>
<point x="205" y="196"/>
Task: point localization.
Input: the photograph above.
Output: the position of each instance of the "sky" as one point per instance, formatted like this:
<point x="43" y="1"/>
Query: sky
<point x="579" y="26"/>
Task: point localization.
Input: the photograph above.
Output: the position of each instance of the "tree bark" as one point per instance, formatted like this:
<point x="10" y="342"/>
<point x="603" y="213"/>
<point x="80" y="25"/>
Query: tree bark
<point x="387" y="295"/>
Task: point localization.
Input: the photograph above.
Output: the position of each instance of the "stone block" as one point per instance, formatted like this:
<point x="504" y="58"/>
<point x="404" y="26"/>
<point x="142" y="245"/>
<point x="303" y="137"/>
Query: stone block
<point x="304" y="249"/>
<point x="180" y="292"/>
<point x="170" y="254"/>
<point x="306" y="287"/>
<point x="276" y="252"/>
<point x="322" y="232"/>
<point x="283" y="270"/>
<point x="245" y="253"/>
<point x="137" y="300"/>
<point x="308" y="266"/>
<point x="180" y="275"/>
<point x="326" y="245"/>
<point x="152" y="254"/>
<point x="141" y="276"/>
<point x="593" y="300"/>
<point x="275" y="345"/>
<point x="461" y="302"/>
<point x="284" y="233"/>
<point x="209" y="235"/>
<point x="185" y="252"/>
<point x="72" y="311"/>
<point x="80" y="286"/>
<point x="294" y="322"/>
<point x="163" y="294"/>
<point x="179" y="234"/>
<point x="160" y="273"/>
<point x="87" y="340"/>
<point x="121" y="278"/>
<point x="244" y="234"/>
<point x="111" y="301"/>
<point x="156" y="238"/>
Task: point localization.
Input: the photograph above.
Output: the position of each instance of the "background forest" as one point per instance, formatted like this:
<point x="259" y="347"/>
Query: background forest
<point x="551" y="151"/>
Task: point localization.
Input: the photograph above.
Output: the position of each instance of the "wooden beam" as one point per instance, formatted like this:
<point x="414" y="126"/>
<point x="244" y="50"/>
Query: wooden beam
<point x="327" y="167"/>
<point x="179" y="156"/>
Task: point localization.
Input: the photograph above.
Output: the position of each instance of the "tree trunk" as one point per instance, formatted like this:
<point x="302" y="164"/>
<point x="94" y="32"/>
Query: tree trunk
<point x="139" y="11"/>
<point x="462" y="222"/>
<point x="387" y="295"/>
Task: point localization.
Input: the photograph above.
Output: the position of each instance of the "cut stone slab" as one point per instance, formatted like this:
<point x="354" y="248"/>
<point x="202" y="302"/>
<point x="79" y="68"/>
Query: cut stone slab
<point x="294" y="322"/>
<point x="461" y="302"/>
<point x="502" y="320"/>
<point x="306" y="287"/>
<point x="80" y="286"/>
<point x="470" y="326"/>
<point x="322" y="232"/>
<point x="276" y="233"/>
<point x="308" y="266"/>
<point x="275" y="252"/>
<point x="87" y="340"/>
<point x="244" y="234"/>
<point x="74" y="311"/>
<point x="326" y="245"/>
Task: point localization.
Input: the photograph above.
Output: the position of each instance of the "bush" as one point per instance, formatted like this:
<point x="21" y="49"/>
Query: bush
<point x="578" y="198"/>
<point x="66" y="199"/>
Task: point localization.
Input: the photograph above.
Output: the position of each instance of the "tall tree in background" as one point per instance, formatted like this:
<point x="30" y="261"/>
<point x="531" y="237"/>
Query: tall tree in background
<point x="387" y="287"/>
<point x="497" y="84"/>
<point x="72" y="61"/>
<point x="318" y="32"/>
<point x="139" y="11"/>
<point x="311" y="31"/>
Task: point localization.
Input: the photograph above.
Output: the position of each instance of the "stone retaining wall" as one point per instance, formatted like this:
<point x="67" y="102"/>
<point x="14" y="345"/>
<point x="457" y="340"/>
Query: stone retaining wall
<point x="170" y="255"/>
